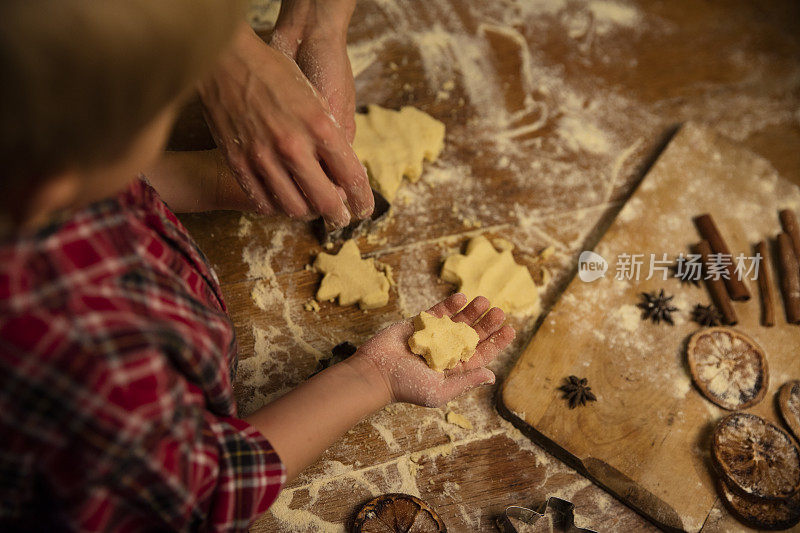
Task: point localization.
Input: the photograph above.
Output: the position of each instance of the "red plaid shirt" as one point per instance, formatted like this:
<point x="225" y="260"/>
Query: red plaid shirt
<point x="116" y="362"/>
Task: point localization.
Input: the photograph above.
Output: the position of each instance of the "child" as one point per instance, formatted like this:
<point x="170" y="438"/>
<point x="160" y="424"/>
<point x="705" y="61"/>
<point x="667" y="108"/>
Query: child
<point x="116" y="353"/>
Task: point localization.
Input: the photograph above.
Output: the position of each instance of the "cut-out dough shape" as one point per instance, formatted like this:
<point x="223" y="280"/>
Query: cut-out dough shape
<point x="351" y="278"/>
<point x="459" y="420"/>
<point x="442" y="342"/>
<point x="483" y="271"/>
<point x="393" y="144"/>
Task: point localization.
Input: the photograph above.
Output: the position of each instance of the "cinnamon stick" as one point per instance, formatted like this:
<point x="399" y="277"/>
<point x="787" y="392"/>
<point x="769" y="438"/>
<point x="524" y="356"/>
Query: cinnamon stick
<point x="716" y="287"/>
<point x="791" y="228"/>
<point x="737" y="290"/>
<point x="765" y="286"/>
<point x="790" y="278"/>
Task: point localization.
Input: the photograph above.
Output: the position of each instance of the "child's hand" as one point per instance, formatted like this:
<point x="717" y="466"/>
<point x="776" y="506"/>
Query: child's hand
<point x="306" y="420"/>
<point x="406" y="375"/>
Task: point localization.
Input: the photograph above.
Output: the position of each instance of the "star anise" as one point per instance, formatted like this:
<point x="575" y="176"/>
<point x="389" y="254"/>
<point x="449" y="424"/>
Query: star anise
<point x="683" y="274"/>
<point x="706" y="315"/>
<point x="657" y="307"/>
<point x="577" y="391"/>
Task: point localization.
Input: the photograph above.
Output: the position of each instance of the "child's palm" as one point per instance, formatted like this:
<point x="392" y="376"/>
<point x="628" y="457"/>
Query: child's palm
<point x="407" y="375"/>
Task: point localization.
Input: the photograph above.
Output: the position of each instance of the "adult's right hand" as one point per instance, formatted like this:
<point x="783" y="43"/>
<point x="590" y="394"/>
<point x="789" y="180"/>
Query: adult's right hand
<point x="279" y="137"/>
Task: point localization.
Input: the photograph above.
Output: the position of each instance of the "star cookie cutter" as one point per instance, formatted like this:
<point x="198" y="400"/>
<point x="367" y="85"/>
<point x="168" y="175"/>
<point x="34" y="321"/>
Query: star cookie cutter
<point x="562" y="512"/>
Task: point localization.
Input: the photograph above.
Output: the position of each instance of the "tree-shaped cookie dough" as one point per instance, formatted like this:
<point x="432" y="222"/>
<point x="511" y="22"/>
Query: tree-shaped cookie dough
<point x="351" y="278"/>
<point x="442" y="342"/>
<point x="483" y="271"/>
<point x="393" y="144"/>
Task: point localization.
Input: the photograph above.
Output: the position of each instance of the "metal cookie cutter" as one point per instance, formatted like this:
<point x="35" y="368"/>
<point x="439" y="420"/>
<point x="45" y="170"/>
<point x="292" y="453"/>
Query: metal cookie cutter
<point x="561" y="512"/>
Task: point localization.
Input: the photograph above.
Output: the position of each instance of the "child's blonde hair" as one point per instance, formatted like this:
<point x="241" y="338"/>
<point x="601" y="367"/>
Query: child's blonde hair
<point x="80" y="78"/>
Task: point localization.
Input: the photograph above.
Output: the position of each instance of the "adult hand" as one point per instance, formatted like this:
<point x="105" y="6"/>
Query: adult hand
<point x="279" y="137"/>
<point x="314" y="34"/>
<point x="406" y="375"/>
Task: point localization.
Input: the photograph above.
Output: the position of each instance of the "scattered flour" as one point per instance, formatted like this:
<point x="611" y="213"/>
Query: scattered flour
<point x="261" y="369"/>
<point x="610" y="15"/>
<point x="301" y="519"/>
<point x="267" y="293"/>
<point x="387" y="436"/>
<point x="628" y="317"/>
<point x="245" y="227"/>
<point x="398" y="475"/>
<point x="580" y="135"/>
<point x="681" y="385"/>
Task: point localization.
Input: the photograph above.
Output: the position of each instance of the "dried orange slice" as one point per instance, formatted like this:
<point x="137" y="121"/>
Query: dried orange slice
<point x="789" y="405"/>
<point x="755" y="457"/>
<point x="728" y="367"/>
<point x="760" y="513"/>
<point x="397" y="513"/>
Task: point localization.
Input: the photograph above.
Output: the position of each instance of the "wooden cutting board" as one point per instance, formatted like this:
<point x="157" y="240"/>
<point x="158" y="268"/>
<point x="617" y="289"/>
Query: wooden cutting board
<point x="646" y="439"/>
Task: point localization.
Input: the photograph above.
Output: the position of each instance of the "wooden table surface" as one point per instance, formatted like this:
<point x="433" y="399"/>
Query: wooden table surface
<point x="556" y="110"/>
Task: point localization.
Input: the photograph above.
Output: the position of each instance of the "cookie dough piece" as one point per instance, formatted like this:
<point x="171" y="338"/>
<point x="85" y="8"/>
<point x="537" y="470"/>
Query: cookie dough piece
<point x="459" y="420"/>
<point x="351" y="278"/>
<point x="393" y="144"/>
<point x="442" y="342"/>
<point x="483" y="271"/>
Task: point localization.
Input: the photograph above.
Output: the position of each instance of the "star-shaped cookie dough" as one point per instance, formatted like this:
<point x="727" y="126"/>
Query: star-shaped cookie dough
<point x="483" y="271"/>
<point x="351" y="278"/>
<point x="442" y="342"/>
<point x="393" y="144"/>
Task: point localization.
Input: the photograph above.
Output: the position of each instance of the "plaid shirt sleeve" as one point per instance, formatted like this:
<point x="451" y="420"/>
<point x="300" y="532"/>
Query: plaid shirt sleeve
<point x="116" y="361"/>
<point x="129" y="446"/>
